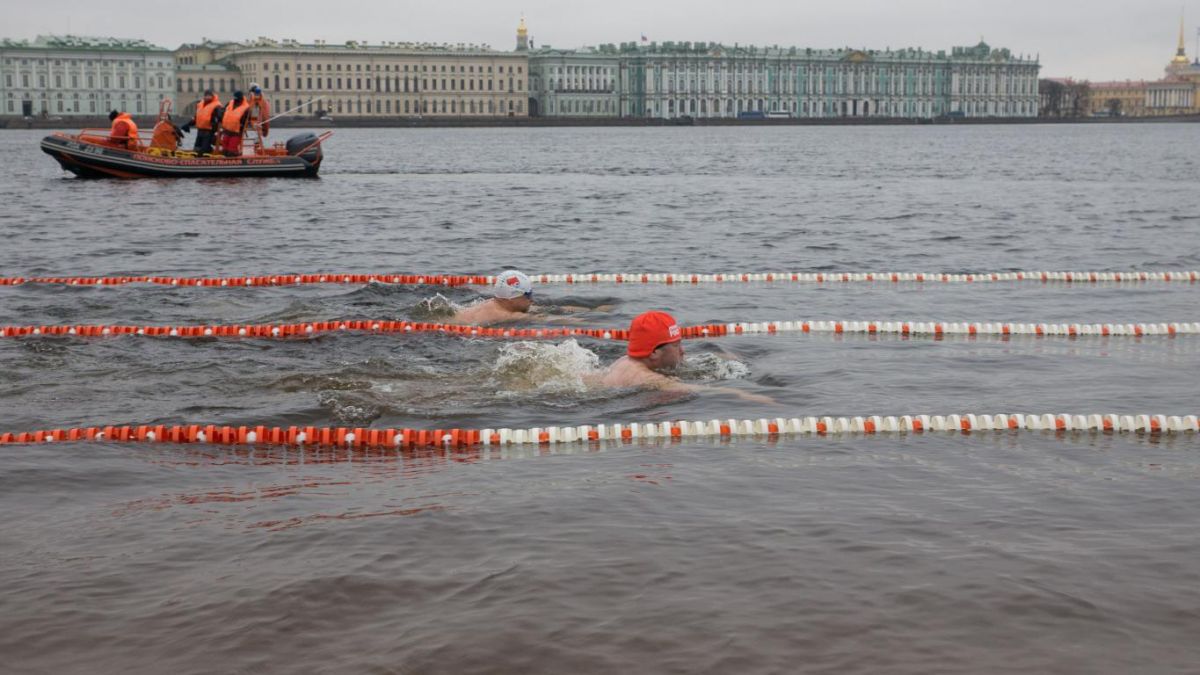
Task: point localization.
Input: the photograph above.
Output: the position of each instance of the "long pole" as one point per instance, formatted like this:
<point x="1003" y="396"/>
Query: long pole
<point x="292" y="110"/>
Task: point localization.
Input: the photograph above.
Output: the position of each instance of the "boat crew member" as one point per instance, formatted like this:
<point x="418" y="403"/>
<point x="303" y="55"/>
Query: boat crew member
<point x="233" y="125"/>
<point x="260" y="110"/>
<point x="166" y="135"/>
<point x="124" y="133"/>
<point x="208" y="114"/>
<point x="512" y="296"/>
<point x="654" y="351"/>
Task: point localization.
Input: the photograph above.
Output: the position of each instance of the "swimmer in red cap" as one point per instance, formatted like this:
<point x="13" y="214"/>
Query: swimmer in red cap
<point x="512" y="296"/>
<point x="656" y="348"/>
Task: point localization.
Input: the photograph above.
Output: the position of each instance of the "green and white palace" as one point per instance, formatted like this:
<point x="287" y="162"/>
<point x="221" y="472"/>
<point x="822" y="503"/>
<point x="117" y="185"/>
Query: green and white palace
<point x="705" y="80"/>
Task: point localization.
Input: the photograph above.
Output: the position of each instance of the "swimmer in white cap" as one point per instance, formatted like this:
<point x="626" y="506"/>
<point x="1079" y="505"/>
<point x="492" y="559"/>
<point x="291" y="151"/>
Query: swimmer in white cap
<point x="512" y="296"/>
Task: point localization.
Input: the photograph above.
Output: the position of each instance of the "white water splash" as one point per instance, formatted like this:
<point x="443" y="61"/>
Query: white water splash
<point x="710" y="367"/>
<point x="543" y="366"/>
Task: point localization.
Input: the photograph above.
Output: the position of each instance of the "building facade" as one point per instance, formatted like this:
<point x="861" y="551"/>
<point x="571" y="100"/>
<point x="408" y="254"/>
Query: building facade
<point x="709" y="80"/>
<point x="361" y="80"/>
<point x="1178" y="93"/>
<point x="574" y="82"/>
<point x="1117" y="99"/>
<point x="66" y="76"/>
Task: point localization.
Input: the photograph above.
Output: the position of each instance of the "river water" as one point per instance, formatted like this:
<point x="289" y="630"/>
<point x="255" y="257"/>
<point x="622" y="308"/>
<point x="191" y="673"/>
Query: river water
<point x="988" y="552"/>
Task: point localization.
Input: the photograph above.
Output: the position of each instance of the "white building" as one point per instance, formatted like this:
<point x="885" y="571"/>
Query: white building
<point x="574" y="82"/>
<point x="61" y="76"/>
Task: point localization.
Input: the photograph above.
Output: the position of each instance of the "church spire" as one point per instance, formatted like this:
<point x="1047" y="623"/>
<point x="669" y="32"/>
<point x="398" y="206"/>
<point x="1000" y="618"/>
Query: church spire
<point x="1180" y="54"/>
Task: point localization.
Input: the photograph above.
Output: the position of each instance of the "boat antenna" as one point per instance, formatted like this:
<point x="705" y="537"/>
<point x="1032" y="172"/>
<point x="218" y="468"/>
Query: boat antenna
<point x="292" y="110"/>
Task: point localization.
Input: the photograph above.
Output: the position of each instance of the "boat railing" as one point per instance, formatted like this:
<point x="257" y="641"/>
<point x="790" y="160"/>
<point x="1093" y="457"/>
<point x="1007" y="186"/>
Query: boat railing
<point x="104" y="137"/>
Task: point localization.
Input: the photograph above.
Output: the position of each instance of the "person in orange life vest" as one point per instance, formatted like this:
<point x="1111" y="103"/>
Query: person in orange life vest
<point x="260" y="109"/>
<point x="166" y="135"/>
<point x="655" y="349"/>
<point x="206" y="120"/>
<point x="233" y="125"/>
<point x="124" y="133"/>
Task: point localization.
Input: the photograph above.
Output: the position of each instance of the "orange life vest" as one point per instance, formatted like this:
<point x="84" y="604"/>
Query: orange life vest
<point x="231" y="122"/>
<point x="204" y="113"/>
<point x="164" y="136"/>
<point x="260" y="111"/>
<point x="124" y="131"/>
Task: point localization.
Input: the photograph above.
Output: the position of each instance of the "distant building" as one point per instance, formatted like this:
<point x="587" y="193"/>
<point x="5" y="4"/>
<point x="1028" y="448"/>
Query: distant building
<point x="1117" y="99"/>
<point x="706" y="80"/>
<point x="358" y="79"/>
<point x="202" y="65"/>
<point x="69" y="75"/>
<point x="1177" y="93"/>
<point x="574" y="83"/>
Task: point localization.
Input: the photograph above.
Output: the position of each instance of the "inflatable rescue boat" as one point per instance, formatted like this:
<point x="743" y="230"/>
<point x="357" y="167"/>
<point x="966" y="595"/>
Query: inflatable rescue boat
<point x="90" y="154"/>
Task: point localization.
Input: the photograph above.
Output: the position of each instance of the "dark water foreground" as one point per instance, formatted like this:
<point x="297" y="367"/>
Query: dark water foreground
<point x="989" y="552"/>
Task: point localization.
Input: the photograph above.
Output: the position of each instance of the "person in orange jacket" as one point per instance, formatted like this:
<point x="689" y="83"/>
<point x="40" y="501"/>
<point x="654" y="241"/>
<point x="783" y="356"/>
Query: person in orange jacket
<point x="206" y="122"/>
<point x="260" y="109"/>
<point x="166" y="135"/>
<point x="124" y="132"/>
<point x="233" y="125"/>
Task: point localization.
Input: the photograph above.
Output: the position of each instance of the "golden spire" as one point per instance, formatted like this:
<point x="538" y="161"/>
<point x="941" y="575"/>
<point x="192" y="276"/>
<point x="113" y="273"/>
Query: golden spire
<point x="521" y="30"/>
<point x="1180" y="54"/>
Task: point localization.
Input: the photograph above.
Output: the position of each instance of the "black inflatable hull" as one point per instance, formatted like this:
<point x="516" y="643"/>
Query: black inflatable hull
<point x="91" y="160"/>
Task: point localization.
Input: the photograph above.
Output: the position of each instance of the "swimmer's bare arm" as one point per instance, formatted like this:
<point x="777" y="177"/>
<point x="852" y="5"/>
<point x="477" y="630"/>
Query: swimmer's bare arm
<point x="671" y="384"/>
<point x="576" y="309"/>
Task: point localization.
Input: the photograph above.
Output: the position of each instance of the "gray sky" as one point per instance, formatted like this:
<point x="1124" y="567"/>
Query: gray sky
<point x="1096" y="39"/>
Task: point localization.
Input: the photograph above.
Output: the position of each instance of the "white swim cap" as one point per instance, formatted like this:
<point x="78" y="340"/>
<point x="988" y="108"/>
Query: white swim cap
<point x="511" y="284"/>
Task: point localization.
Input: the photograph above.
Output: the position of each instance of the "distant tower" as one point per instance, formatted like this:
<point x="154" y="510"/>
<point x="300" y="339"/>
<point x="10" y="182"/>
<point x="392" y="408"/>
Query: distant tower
<point x="522" y="36"/>
<point x="1180" y="54"/>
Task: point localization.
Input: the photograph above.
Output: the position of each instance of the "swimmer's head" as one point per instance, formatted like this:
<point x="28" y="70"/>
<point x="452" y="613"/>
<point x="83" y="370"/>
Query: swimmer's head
<point x="514" y="290"/>
<point x="655" y="338"/>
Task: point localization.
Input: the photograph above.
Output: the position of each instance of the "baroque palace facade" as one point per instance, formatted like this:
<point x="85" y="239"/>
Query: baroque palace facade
<point x="67" y="75"/>
<point x="711" y="80"/>
<point x="360" y="80"/>
<point x="89" y="76"/>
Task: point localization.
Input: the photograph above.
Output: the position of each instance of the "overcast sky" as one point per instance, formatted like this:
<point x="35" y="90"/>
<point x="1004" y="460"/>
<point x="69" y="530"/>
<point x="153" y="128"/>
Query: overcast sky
<point x="1094" y="39"/>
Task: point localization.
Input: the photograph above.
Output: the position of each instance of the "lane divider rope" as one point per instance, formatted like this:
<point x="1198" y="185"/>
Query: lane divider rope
<point x="907" y="328"/>
<point x="407" y="438"/>
<point x="1189" y="276"/>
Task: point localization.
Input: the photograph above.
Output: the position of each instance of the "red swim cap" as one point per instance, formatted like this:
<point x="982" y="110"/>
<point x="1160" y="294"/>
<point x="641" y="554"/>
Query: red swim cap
<point x="650" y="330"/>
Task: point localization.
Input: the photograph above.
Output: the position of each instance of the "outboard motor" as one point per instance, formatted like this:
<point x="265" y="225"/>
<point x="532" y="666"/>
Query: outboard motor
<point x="308" y="142"/>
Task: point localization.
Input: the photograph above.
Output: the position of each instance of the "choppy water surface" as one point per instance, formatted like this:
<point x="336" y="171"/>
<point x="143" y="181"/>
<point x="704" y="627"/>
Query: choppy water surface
<point x="918" y="554"/>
